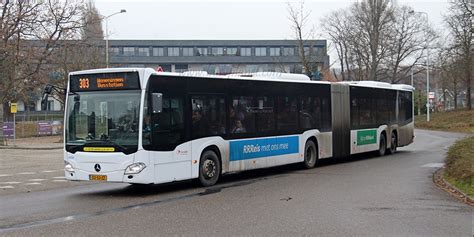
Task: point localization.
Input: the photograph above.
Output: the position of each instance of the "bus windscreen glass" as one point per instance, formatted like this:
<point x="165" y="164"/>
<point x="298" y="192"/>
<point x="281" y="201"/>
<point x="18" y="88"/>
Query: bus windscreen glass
<point x="103" y="119"/>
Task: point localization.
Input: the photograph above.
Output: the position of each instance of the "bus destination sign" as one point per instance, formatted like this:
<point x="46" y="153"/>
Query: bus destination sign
<point x="104" y="81"/>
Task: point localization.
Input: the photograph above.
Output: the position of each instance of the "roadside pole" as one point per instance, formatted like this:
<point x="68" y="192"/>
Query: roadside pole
<point x="13" y="109"/>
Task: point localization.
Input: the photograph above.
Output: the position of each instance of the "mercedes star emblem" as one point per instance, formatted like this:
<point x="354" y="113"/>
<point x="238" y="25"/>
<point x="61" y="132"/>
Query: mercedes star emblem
<point x="97" y="167"/>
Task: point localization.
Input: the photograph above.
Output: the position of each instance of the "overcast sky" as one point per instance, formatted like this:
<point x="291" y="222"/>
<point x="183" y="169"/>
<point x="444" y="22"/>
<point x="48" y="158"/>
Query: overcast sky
<point x="226" y="19"/>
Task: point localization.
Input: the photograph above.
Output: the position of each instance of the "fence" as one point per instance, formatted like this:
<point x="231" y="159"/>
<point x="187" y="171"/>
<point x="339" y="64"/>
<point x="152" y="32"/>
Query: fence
<point x="32" y="129"/>
<point x="37" y="116"/>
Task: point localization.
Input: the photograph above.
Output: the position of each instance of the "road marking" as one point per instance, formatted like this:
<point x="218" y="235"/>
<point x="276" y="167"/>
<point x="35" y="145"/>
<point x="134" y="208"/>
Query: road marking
<point x="59" y="180"/>
<point x="5" y="175"/>
<point x="433" y="165"/>
<point x="59" y="177"/>
<point x="48" y="171"/>
<point x="27" y="173"/>
<point x="32" y="183"/>
<point x="13" y="182"/>
<point x="6" y="187"/>
<point x="36" y="180"/>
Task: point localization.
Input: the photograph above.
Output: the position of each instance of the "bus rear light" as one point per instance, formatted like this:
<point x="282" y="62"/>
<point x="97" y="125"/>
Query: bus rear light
<point x="135" y="168"/>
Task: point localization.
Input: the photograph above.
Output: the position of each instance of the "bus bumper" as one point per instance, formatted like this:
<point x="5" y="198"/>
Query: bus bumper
<point x="119" y="176"/>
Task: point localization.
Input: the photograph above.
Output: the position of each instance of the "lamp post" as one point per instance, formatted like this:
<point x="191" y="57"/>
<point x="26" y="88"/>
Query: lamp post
<point x="427" y="69"/>
<point x="106" y="18"/>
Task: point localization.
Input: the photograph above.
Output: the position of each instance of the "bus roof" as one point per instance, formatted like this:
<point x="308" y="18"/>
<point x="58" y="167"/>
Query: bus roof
<point x="378" y="84"/>
<point x="265" y="76"/>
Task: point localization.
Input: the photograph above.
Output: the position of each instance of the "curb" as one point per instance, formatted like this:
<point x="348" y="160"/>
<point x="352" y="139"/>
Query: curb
<point x="30" y="148"/>
<point x="450" y="189"/>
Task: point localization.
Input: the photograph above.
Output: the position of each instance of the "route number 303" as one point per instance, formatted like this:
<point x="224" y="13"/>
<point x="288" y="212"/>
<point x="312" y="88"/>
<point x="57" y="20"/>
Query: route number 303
<point x="84" y="83"/>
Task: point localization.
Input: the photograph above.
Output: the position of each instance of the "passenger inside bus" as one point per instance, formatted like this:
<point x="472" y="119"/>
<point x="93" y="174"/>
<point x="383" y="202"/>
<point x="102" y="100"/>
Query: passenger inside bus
<point x="200" y="124"/>
<point x="238" y="127"/>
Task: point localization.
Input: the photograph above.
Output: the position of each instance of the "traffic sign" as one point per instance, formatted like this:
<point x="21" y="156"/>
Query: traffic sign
<point x="13" y="108"/>
<point x="159" y="69"/>
<point x="431" y="95"/>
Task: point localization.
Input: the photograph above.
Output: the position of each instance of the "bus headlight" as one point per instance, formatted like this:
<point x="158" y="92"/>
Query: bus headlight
<point x="68" y="167"/>
<point x="135" y="168"/>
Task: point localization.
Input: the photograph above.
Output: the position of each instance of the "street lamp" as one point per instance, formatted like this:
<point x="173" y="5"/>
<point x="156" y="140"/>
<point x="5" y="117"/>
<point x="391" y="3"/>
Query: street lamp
<point x="427" y="68"/>
<point x="106" y="18"/>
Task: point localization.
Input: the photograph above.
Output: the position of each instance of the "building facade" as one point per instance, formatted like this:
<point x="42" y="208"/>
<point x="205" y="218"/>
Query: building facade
<point x="212" y="56"/>
<point x="218" y="56"/>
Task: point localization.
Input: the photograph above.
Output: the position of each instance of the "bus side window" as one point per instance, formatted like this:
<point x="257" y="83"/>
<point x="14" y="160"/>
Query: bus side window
<point x="208" y="116"/>
<point x="165" y="130"/>
<point x="287" y="114"/>
<point x="241" y="115"/>
<point x="265" y="114"/>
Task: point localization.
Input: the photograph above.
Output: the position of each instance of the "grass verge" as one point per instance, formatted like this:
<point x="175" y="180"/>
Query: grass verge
<point x="452" y="121"/>
<point x="460" y="165"/>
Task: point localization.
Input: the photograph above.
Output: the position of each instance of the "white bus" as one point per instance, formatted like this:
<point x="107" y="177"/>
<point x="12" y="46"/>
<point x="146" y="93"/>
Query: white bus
<point x="145" y="127"/>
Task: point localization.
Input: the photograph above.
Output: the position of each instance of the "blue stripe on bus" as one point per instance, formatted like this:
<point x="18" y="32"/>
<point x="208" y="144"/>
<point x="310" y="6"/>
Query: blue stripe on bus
<point x="259" y="148"/>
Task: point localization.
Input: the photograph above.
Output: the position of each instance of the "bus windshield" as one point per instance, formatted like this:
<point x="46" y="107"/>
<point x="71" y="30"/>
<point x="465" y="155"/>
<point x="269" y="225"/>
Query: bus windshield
<point x="105" y="118"/>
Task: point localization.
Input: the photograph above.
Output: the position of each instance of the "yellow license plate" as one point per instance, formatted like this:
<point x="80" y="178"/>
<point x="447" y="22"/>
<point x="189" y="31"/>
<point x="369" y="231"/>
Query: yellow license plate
<point x="98" y="177"/>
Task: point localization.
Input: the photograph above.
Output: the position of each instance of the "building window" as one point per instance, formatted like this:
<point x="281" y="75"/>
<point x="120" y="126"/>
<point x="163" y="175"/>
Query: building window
<point x="128" y="51"/>
<point x="158" y="52"/>
<point x="318" y="50"/>
<point x="246" y="51"/>
<point x="188" y="51"/>
<point x="217" y="51"/>
<point x="309" y="51"/>
<point x="231" y="51"/>
<point x="274" y="51"/>
<point x="173" y="51"/>
<point x="260" y="51"/>
<point x="114" y="51"/>
<point x="143" y="52"/>
<point x="201" y="52"/>
<point x="287" y="51"/>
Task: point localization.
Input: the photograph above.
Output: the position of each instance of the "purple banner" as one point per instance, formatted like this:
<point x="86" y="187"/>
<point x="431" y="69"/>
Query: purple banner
<point x="8" y="130"/>
<point x="45" y="128"/>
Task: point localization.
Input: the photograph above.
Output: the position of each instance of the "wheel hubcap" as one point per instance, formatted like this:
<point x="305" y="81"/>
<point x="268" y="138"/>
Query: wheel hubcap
<point x="209" y="169"/>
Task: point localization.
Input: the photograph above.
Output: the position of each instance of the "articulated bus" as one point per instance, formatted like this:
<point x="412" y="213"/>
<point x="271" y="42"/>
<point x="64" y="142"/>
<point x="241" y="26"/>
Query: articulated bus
<point x="139" y="126"/>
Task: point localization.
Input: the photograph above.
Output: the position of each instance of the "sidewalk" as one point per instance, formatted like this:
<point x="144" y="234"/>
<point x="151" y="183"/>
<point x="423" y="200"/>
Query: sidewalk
<point x="35" y="143"/>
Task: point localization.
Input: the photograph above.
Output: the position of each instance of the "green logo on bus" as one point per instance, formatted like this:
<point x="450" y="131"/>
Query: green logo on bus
<point x="366" y="137"/>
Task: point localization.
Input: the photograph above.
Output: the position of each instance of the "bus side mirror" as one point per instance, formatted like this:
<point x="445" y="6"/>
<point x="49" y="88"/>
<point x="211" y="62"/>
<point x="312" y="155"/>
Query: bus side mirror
<point x="157" y="102"/>
<point x="44" y="100"/>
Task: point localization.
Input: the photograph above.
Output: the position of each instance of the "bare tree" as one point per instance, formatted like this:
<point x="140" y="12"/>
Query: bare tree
<point x="409" y="37"/>
<point x="337" y="26"/>
<point x="376" y="40"/>
<point x="299" y="16"/>
<point x="92" y="20"/>
<point x="459" y="22"/>
<point x="372" y="20"/>
<point x="79" y="54"/>
<point x="29" y="34"/>
<point x="450" y="75"/>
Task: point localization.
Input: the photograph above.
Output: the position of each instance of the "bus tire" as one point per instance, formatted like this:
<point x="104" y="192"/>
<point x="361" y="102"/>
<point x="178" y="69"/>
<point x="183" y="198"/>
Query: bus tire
<point x="382" y="145"/>
<point x="393" y="144"/>
<point x="310" y="154"/>
<point x="209" y="168"/>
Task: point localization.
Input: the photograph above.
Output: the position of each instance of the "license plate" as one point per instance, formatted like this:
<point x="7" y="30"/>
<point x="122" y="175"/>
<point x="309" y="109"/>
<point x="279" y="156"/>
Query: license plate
<point x="98" y="177"/>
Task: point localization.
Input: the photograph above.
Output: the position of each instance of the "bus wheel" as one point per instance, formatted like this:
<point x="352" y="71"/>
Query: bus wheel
<point x="393" y="144"/>
<point x="382" y="145"/>
<point x="209" y="168"/>
<point x="310" y="155"/>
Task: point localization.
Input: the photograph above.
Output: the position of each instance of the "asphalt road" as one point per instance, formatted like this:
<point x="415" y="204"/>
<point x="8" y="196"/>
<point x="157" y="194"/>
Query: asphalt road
<point x="366" y="196"/>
